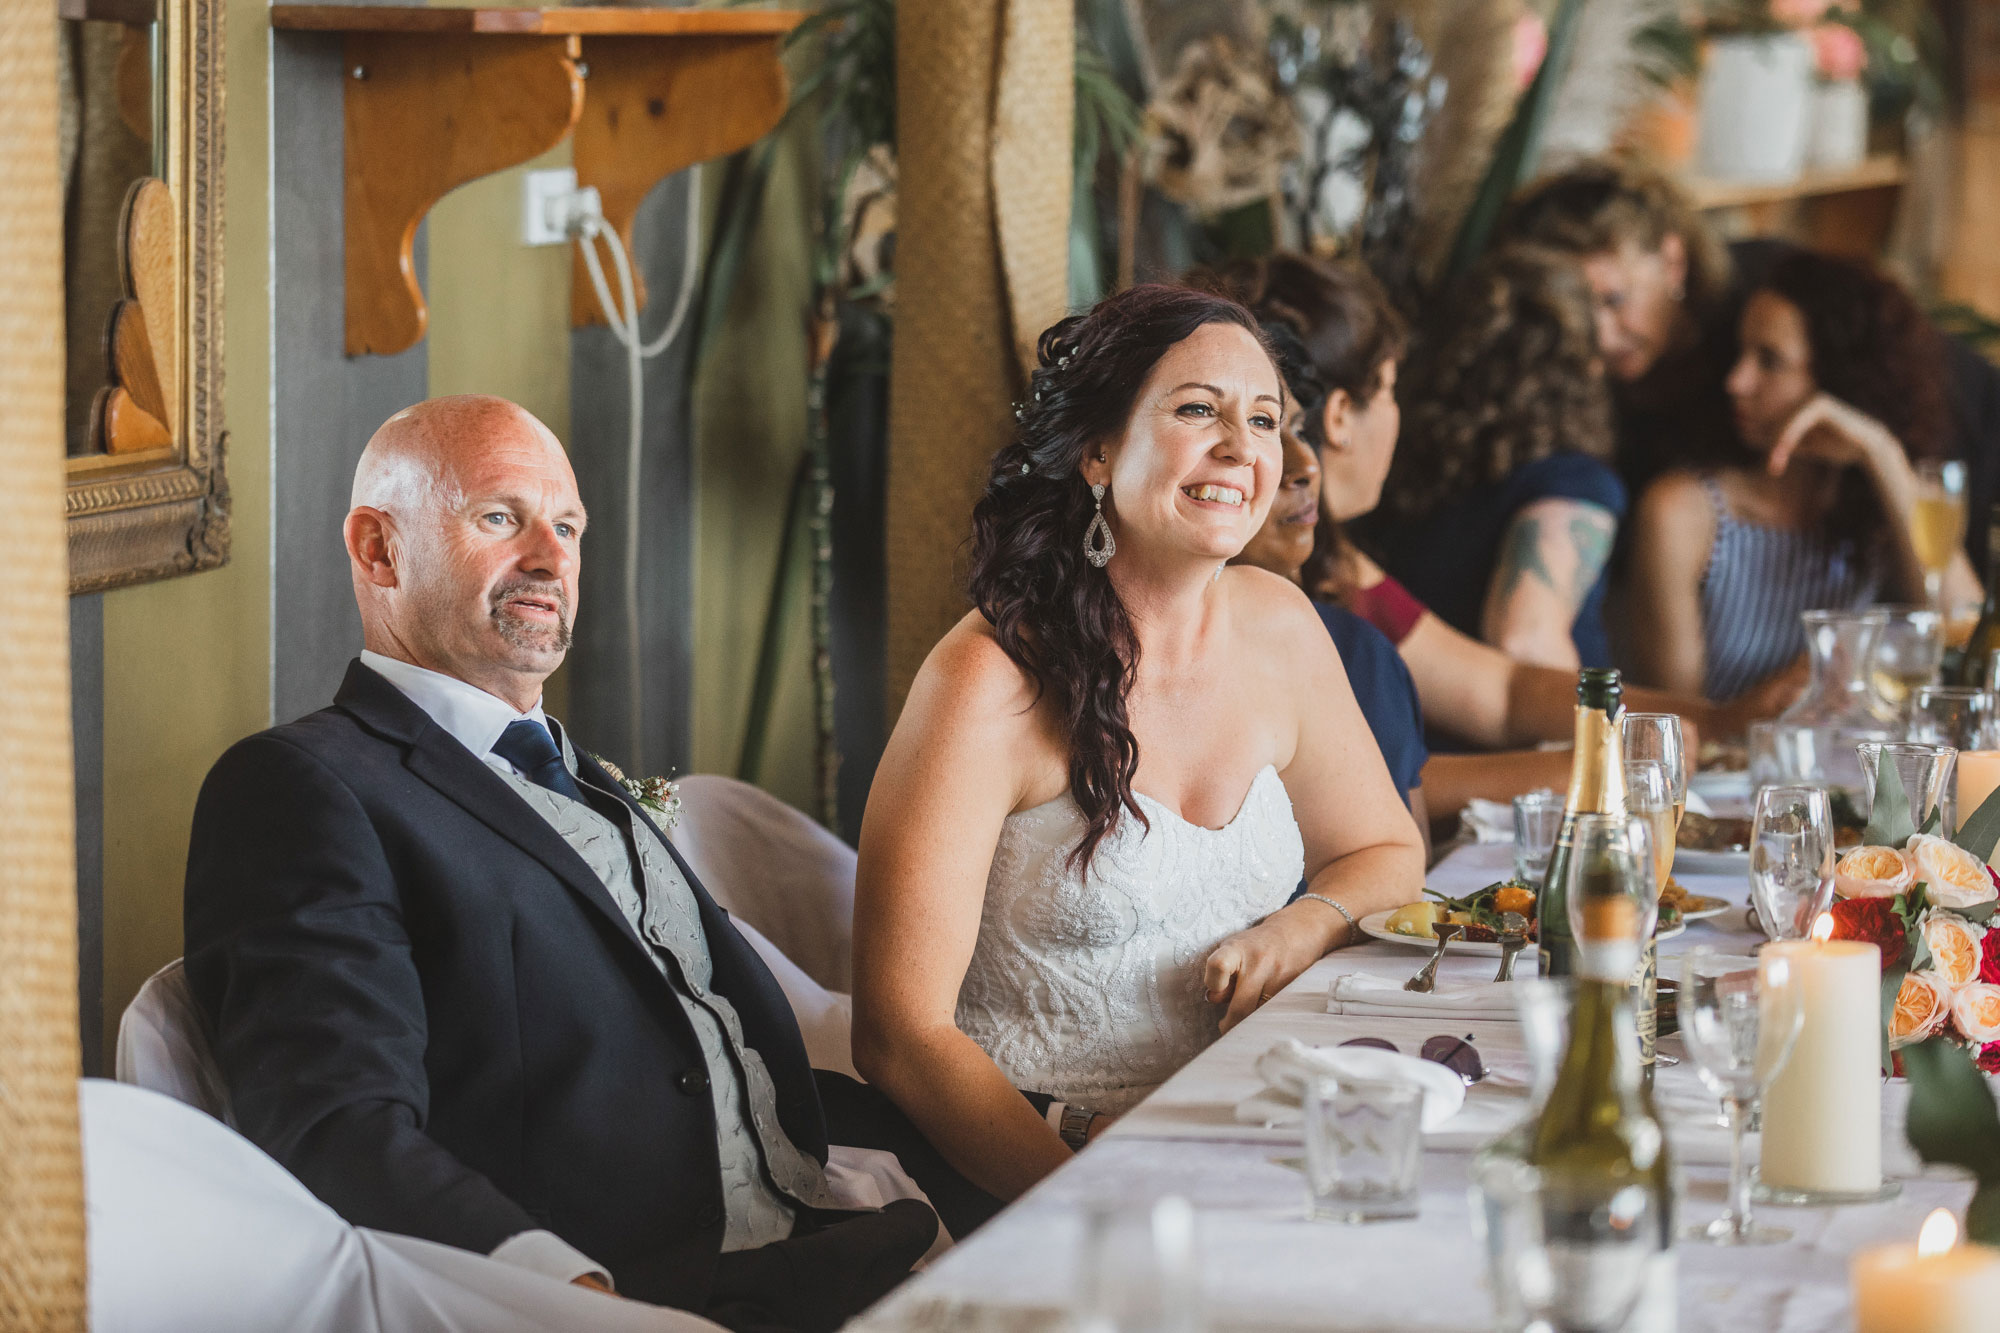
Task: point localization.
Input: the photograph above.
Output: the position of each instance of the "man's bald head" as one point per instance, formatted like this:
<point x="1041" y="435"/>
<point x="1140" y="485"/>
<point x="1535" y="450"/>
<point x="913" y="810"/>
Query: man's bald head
<point x="463" y="538"/>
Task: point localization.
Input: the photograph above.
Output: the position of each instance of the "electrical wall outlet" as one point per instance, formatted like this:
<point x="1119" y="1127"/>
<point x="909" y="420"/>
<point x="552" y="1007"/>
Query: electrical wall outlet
<point x="541" y="220"/>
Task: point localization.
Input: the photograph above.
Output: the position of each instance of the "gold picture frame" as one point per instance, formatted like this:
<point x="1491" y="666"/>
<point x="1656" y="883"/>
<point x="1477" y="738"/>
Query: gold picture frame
<point x="163" y="510"/>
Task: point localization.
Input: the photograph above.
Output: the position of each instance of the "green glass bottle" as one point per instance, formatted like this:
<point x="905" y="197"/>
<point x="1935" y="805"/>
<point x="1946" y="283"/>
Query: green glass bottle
<point x="1975" y="668"/>
<point x="1596" y="786"/>
<point x="1606" y="1179"/>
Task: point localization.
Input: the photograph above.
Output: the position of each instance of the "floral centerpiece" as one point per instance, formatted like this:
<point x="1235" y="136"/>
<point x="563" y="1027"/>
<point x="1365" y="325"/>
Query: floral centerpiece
<point x="1928" y="903"/>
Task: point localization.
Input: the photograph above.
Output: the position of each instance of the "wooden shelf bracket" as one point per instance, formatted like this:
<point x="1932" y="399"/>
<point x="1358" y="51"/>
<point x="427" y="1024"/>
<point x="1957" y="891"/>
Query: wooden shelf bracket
<point x="426" y="113"/>
<point x="438" y="97"/>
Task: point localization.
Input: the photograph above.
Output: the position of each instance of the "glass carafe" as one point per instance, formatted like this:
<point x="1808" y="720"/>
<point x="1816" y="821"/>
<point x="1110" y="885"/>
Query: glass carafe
<point x="1840" y="707"/>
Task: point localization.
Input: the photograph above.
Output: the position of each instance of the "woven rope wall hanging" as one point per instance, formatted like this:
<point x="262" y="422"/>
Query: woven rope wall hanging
<point x="984" y="99"/>
<point x="41" y="1180"/>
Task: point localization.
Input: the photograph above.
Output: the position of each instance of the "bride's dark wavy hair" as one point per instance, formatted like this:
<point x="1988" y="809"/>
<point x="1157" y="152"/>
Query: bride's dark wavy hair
<point x="1055" y="615"/>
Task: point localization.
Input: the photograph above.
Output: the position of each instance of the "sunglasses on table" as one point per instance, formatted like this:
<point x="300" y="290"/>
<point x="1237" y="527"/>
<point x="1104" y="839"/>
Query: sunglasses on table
<point x="1455" y="1053"/>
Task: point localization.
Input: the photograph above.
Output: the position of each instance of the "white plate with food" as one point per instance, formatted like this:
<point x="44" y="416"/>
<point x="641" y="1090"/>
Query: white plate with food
<point x="1712" y="846"/>
<point x="1376" y="925"/>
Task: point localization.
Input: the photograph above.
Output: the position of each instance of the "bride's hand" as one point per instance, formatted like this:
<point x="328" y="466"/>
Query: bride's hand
<point x="1252" y="965"/>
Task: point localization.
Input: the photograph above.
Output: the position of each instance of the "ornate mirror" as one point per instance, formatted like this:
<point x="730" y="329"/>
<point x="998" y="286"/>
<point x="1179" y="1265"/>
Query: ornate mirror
<point x="141" y="154"/>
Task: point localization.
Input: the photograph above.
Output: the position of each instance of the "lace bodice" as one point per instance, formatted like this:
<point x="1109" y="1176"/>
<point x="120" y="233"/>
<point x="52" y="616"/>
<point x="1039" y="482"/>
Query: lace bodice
<point x="1090" y="989"/>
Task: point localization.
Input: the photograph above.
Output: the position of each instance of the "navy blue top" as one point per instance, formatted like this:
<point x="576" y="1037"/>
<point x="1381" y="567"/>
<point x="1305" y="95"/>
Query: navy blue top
<point x="1447" y="558"/>
<point x="1385" y="691"/>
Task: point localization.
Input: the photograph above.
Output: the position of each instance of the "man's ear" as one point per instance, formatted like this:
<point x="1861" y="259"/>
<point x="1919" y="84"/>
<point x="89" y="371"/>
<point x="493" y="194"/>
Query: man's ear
<point x="1335" y="418"/>
<point x="371" y="544"/>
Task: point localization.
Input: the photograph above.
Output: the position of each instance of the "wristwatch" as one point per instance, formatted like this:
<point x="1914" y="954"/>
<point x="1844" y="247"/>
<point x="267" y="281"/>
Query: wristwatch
<point x="1075" y="1127"/>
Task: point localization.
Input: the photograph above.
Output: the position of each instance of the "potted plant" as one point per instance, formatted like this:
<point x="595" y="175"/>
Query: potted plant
<point x="1756" y="89"/>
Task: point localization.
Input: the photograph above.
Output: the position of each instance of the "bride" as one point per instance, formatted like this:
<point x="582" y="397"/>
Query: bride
<point x="1109" y="780"/>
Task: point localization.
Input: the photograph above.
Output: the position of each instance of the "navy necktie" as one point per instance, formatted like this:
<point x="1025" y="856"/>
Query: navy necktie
<point x="529" y="747"/>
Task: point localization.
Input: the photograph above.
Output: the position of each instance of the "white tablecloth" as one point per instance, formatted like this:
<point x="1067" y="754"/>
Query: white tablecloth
<point x="1264" y="1266"/>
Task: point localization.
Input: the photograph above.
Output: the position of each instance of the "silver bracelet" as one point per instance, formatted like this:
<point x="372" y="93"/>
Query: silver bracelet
<point x="1353" y="927"/>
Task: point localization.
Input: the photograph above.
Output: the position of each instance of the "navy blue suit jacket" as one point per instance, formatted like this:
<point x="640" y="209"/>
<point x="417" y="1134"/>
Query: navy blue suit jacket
<point x="429" y="1009"/>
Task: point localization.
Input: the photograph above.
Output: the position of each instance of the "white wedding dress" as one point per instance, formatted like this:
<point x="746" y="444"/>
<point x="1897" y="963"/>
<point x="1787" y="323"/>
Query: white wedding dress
<point x="1090" y="988"/>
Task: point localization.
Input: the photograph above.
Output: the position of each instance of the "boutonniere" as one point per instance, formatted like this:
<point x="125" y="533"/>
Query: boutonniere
<point x="660" y="797"/>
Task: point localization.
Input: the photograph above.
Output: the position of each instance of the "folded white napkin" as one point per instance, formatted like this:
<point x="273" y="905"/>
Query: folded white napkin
<point x="1287" y="1067"/>
<point x="1359" y="993"/>
<point x="1489" y="821"/>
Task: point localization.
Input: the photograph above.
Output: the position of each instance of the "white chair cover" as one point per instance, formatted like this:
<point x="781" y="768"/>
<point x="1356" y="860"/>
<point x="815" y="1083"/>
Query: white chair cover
<point x="192" y="1228"/>
<point x="771" y="866"/>
<point x="161" y="1046"/>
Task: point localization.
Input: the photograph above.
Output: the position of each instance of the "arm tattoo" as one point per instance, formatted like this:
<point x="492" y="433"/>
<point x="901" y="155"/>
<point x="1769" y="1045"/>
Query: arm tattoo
<point x="1523" y="557"/>
<point x="1590" y="533"/>
<point x="1589" y="530"/>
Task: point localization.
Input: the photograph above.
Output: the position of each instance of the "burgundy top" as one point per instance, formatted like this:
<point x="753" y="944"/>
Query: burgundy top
<point x="1389" y="607"/>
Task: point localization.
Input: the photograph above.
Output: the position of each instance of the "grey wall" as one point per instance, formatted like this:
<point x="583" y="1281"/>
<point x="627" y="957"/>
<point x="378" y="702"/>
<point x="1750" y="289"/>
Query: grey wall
<point x="327" y="404"/>
<point x="600" y="676"/>
<point x="86" y="719"/>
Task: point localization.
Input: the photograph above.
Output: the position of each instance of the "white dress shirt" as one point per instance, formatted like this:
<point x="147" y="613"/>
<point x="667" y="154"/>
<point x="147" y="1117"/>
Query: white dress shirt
<point x="476" y="719"/>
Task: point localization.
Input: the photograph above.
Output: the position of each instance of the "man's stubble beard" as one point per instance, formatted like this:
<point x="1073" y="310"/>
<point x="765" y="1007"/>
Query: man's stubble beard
<point x="528" y="637"/>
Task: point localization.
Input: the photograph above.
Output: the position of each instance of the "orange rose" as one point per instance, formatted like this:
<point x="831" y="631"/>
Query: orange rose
<point x="1873" y="872"/>
<point x="1956" y="877"/>
<point x="1955" y="946"/>
<point x="1922" y="1005"/>
<point x="1976" y="1010"/>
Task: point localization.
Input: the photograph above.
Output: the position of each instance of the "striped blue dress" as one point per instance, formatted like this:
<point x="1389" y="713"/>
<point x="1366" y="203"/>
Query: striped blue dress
<point x="1757" y="582"/>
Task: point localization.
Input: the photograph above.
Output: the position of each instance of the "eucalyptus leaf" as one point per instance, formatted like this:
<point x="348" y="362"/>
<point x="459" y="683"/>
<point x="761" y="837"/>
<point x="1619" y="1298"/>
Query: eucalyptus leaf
<point x="1892" y="986"/>
<point x="1980" y="832"/>
<point x="1889" y="824"/>
<point x="1979" y="915"/>
<point x="1932" y="820"/>
<point x="1952" y="1119"/>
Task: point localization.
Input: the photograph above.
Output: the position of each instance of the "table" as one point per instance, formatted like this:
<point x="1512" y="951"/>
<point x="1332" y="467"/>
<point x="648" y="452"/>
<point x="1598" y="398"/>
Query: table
<point x="1264" y="1266"/>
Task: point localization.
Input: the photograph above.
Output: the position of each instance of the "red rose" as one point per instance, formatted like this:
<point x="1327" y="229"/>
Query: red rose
<point x="1989" y="1057"/>
<point x="1989" y="957"/>
<point x="1873" y="921"/>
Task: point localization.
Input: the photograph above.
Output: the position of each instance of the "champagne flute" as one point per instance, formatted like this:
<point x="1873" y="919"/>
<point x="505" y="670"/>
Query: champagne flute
<point x="1937" y="521"/>
<point x="1658" y="737"/>
<point x="1791" y="859"/>
<point x="1649" y="798"/>
<point x="1739" y="1018"/>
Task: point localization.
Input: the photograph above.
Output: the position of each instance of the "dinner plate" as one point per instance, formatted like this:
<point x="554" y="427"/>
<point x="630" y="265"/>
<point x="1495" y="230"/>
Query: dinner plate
<point x="1705" y="913"/>
<point x="1725" y="792"/>
<point x="1373" y="924"/>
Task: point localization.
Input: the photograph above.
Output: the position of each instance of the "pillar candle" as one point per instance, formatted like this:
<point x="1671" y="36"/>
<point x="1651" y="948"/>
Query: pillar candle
<point x="1978" y="775"/>
<point x="1823" y="1112"/>
<point x="1898" y="1289"/>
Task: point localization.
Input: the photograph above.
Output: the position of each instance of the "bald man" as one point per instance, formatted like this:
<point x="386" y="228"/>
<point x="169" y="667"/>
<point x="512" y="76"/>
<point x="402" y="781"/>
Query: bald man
<point x="456" y="979"/>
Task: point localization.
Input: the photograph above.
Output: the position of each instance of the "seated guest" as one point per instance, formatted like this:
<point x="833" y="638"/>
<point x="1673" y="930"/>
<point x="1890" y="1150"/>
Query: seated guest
<point x="1472" y="693"/>
<point x="1110" y="778"/>
<point x="1669" y="297"/>
<point x="1838" y="386"/>
<point x="1501" y="506"/>
<point x="457" y="981"/>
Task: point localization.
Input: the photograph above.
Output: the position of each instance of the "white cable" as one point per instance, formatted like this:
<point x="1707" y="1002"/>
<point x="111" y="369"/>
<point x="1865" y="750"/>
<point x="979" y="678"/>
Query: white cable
<point x="586" y="224"/>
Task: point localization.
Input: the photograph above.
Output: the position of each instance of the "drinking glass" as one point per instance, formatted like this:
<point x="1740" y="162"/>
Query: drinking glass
<point x="1739" y="1018"/>
<point x="1937" y="520"/>
<point x="1139" y="1272"/>
<point x="1364" y="1146"/>
<point x="1613" y="888"/>
<point x="1649" y="797"/>
<point x="1907" y="653"/>
<point x="1954" y="715"/>
<point x="1926" y="772"/>
<point x="1538" y="818"/>
<point x="1658" y="737"/>
<point x="1791" y="860"/>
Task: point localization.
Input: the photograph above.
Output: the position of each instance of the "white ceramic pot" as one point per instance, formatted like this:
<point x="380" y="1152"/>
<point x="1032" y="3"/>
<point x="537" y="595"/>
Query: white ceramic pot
<point x="1839" y="138"/>
<point x="1755" y="96"/>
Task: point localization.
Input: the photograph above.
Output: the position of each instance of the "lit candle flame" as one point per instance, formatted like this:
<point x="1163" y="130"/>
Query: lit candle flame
<point x="1822" y="930"/>
<point x="1940" y="1233"/>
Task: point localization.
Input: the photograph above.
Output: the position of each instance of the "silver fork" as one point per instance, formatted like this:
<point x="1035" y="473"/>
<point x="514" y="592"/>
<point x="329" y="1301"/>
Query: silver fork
<point x="1426" y="980"/>
<point x="1513" y="939"/>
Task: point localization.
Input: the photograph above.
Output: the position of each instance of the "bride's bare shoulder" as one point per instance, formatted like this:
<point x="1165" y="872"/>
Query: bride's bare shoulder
<point x="968" y="672"/>
<point x="1271" y="610"/>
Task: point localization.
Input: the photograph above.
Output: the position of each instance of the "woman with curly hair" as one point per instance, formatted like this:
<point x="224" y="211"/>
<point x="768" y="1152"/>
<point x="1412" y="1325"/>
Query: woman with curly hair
<point x="1502" y="505"/>
<point x="1110" y="778"/>
<point x="1837" y="387"/>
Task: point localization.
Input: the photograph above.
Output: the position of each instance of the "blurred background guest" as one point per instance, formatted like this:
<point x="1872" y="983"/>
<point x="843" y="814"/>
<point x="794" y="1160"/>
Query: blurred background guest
<point x="1668" y="297"/>
<point x="1838" y="385"/>
<point x="1502" y="504"/>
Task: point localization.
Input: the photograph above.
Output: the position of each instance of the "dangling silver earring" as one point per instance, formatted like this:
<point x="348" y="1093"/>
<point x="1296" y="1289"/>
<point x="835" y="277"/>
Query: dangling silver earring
<point x="1099" y="555"/>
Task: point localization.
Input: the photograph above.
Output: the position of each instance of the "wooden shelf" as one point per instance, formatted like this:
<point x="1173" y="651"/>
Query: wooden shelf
<point x="436" y="98"/>
<point x="1875" y="173"/>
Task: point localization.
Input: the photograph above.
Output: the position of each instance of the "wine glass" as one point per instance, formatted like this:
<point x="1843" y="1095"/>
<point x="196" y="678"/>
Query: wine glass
<point x="1739" y="1018"/>
<point x="1937" y="520"/>
<point x="1614" y="893"/>
<point x="1907" y="653"/>
<point x="1791" y="859"/>
<point x="1953" y="715"/>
